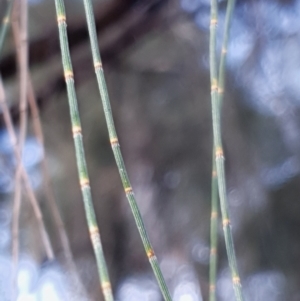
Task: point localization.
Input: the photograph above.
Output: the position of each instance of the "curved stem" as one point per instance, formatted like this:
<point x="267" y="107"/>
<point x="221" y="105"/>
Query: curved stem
<point x="117" y="151"/>
<point x="218" y="148"/>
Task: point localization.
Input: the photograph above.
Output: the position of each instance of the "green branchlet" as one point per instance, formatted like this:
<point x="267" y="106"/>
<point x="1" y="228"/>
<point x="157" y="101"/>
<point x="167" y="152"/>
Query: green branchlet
<point x="80" y="156"/>
<point x="217" y="88"/>
<point x="117" y="152"/>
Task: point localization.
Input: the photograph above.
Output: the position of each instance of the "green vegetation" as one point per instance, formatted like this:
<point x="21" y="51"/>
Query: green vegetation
<point x="117" y="152"/>
<point x="217" y="90"/>
<point x="80" y="156"/>
<point x="218" y="185"/>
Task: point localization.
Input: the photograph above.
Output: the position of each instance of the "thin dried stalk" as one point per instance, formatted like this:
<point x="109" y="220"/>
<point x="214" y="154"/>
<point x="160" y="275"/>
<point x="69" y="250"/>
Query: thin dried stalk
<point x="24" y="175"/>
<point x="20" y="36"/>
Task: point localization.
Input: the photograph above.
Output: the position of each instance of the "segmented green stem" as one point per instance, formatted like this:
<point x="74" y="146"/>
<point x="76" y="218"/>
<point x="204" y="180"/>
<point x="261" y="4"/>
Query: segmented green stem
<point x="214" y="212"/>
<point x="213" y="260"/>
<point x="5" y="23"/>
<point x="117" y="152"/>
<point x="214" y="221"/>
<point x="80" y="156"/>
<point x="221" y="81"/>
<point x="216" y="115"/>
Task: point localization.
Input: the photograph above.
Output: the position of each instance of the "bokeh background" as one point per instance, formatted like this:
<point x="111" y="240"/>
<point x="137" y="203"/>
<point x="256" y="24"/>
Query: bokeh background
<point x="155" y="55"/>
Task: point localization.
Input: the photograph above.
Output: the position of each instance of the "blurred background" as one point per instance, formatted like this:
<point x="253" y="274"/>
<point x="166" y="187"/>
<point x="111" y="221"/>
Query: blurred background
<point x="155" y="56"/>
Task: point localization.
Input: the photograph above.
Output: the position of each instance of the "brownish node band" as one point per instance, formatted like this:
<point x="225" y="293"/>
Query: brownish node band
<point x="114" y="141"/>
<point x="94" y="230"/>
<point x="69" y="74"/>
<point x="219" y="152"/>
<point x="128" y="190"/>
<point x="214" y="88"/>
<point x="98" y="65"/>
<point x="84" y="183"/>
<point x="214" y="214"/>
<point x="150" y="254"/>
<point x="236" y="280"/>
<point x="76" y="130"/>
<point x="213" y="251"/>
<point x="226" y="222"/>
<point x="105" y="285"/>
<point x="61" y="19"/>
<point x="94" y="235"/>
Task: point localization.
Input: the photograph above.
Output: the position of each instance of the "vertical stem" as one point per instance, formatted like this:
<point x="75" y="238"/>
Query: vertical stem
<point x="213" y="260"/>
<point x="5" y="23"/>
<point x="23" y="63"/>
<point x="219" y="156"/>
<point x="117" y="152"/>
<point x="80" y="156"/>
<point x="214" y="211"/>
<point x="221" y="81"/>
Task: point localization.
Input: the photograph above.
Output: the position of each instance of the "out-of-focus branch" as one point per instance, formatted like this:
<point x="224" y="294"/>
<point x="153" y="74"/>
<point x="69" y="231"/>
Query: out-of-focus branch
<point x="47" y="45"/>
<point x="131" y="28"/>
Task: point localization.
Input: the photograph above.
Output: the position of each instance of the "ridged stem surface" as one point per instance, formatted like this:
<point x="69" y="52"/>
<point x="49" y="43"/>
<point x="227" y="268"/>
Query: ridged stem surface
<point x="117" y="152"/>
<point x="222" y="65"/>
<point x="213" y="259"/>
<point x="218" y="148"/>
<point x="80" y="156"/>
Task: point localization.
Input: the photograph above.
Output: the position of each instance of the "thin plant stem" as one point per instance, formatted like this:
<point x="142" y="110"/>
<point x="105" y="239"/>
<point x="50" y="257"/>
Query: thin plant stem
<point x="117" y="152"/>
<point x="219" y="155"/>
<point x="37" y="128"/>
<point x="23" y="63"/>
<point x="214" y="206"/>
<point x="21" y="172"/>
<point x="221" y="80"/>
<point x="80" y="156"/>
<point x="15" y="230"/>
<point x="20" y="37"/>
<point x="5" y="23"/>
<point x="213" y="259"/>
<point x="29" y="190"/>
<point x="214" y="197"/>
